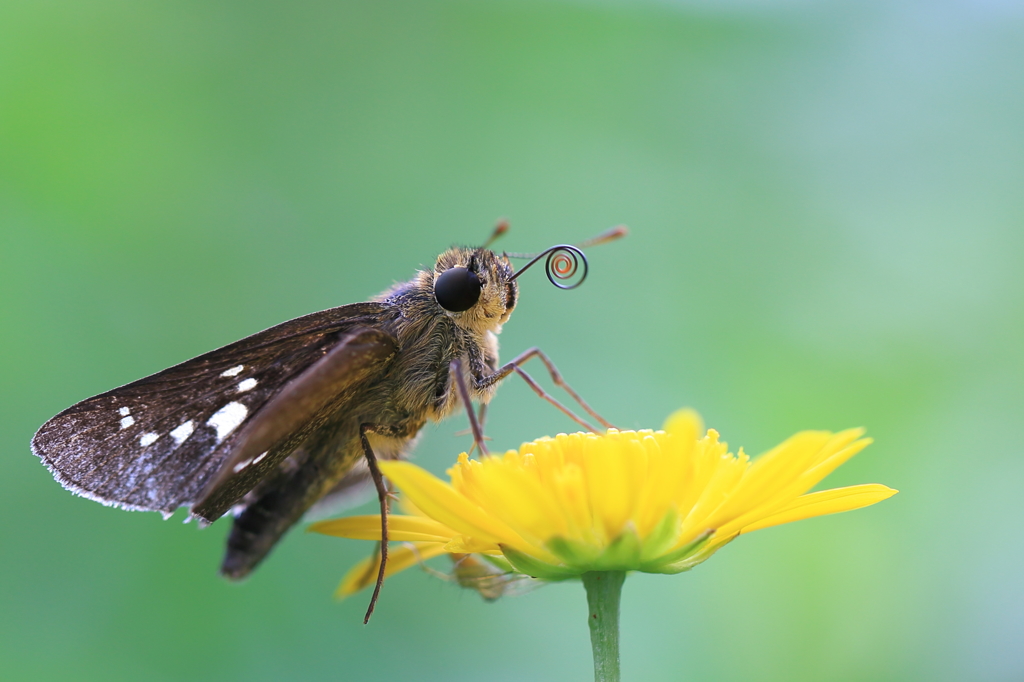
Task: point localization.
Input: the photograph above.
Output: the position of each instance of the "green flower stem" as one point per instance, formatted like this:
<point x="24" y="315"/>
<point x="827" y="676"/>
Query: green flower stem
<point x="603" y="591"/>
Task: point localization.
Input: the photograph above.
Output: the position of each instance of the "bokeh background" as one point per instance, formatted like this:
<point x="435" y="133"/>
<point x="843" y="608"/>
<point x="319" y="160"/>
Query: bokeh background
<point x="826" y="208"/>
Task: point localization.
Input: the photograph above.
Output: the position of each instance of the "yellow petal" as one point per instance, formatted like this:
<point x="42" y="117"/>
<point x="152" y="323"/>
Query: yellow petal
<point x="825" y="502"/>
<point x="781" y="475"/>
<point x="706" y="462"/>
<point x="443" y="503"/>
<point x="834" y="459"/>
<point x="685" y="424"/>
<point x="516" y="497"/>
<point x="463" y="545"/>
<point x="609" y="477"/>
<point x="400" y="528"/>
<point x="364" y="573"/>
<point x="776" y="470"/>
<point x="663" y="475"/>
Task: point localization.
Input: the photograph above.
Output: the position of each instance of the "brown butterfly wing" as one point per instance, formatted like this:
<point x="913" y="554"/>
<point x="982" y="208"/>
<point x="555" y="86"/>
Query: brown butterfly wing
<point x="159" y="442"/>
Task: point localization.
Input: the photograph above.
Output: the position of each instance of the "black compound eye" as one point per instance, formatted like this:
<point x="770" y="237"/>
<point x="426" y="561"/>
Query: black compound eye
<point x="457" y="289"/>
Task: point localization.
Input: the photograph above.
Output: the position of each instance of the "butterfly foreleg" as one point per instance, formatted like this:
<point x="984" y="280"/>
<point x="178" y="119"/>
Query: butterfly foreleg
<point x="556" y="377"/>
<point x="482" y="380"/>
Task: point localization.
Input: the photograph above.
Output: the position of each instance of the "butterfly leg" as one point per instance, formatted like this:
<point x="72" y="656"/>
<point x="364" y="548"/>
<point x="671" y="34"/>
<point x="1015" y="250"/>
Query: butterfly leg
<point x="475" y="426"/>
<point x="556" y="377"/>
<point x="382" y="495"/>
<point x="551" y="399"/>
<point x="483" y="380"/>
<point x="481" y="418"/>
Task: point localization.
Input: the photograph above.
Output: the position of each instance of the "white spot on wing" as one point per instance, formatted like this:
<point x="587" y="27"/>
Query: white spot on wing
<point x="227" y="419"/>
<point x="149" y="438"/>
<point x="260" y="458"/>
<point x="237" y="369"/>
<point x="125" y="411"/>
<point x="182" y="432"/>
<point x="246" y="384"/>
<point x="241" y="465"/>
<point x="127" y="421"/>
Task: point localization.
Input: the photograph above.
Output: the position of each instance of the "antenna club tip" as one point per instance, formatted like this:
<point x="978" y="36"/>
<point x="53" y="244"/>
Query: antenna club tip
<point x="500" y="228"/>
<point x="605" y="237"/>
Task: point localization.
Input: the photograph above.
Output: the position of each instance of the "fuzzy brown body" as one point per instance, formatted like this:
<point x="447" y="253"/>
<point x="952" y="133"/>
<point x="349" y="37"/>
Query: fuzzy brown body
<point x="301" y="393"/>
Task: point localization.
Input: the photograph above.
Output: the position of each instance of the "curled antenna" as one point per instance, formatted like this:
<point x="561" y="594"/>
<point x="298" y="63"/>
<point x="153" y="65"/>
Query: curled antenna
<point x="563" y="262"/>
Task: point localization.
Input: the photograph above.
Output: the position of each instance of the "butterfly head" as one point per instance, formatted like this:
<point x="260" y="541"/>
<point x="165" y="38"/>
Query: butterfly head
<point x="475" y="287"/>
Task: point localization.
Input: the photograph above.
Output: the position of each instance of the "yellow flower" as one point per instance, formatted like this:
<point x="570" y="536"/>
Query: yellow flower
<point x="651" y="501"/>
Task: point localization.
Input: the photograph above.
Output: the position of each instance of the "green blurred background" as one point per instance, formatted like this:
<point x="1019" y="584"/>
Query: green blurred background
<point x="826" y="208"/>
